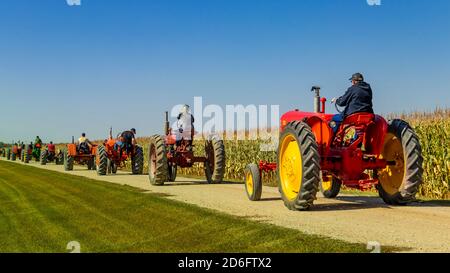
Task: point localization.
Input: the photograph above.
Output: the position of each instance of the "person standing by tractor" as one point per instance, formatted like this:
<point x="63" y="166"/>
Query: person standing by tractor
<point x="357" y="99"/>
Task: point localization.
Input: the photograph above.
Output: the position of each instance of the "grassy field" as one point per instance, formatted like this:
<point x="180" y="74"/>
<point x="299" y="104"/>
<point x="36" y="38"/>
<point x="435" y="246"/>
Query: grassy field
<point x="41" y="211"/>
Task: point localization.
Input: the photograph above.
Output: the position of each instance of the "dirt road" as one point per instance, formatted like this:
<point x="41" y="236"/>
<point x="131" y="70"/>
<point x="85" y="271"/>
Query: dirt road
<point x="422" y="227"/>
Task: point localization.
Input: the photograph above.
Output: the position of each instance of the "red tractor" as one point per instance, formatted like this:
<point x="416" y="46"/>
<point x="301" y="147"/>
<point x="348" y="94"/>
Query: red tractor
<point x="81" y="154"/>
<point x="111" y="156"/>
<point x="16" y="152"/>
<point x="166" y="154"/>
<point x="364" y="151"/>
<point x="48" y="156"/>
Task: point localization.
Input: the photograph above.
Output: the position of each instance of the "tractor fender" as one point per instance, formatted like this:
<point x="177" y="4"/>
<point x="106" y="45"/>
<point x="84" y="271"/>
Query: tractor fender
<point x="322" y="132"/>
<point x="376" y="134"/>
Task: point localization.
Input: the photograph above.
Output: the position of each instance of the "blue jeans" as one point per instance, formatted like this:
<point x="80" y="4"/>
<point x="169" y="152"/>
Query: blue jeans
<point x="339" y="118"/>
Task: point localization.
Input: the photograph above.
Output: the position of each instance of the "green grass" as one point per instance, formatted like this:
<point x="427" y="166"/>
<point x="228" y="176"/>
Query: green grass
<point x="41" y="211"/>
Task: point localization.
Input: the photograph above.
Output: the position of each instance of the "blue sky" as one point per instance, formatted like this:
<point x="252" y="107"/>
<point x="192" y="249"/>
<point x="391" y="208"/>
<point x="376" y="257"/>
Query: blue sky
<point x="121" y="63"/>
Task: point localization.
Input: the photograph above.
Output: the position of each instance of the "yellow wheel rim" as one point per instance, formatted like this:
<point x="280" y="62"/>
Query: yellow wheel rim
<point x="290" y="167"/>
<point x="391" y="178"/>
<point x="249" y="183"/>
<point x="327" y="185"/>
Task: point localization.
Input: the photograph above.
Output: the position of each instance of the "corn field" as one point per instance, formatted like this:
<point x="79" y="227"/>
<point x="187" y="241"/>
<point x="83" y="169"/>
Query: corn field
<point x="433" y="130"/>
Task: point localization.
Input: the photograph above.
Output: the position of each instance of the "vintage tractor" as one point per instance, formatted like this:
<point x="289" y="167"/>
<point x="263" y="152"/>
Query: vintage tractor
<point x="52" y="156"/>
<point x="362" y="152"/>
<point x="166" y="154"/>
<point x="80" y="154"/>
<point x="15" y="152"/>
<point x="112" y="156"/>
<point x="36" y="152"/>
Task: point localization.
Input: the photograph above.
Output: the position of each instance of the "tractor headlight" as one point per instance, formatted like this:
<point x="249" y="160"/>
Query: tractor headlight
<point x="333" y="124"/>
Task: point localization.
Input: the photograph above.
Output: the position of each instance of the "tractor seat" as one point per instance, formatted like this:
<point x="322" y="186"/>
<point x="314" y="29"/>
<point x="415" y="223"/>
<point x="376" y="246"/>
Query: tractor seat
<point x="359" y="119"/>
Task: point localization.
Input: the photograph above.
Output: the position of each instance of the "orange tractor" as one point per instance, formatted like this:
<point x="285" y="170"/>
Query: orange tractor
<point x="112" y="156"/>
<point x="80" y="154"/>
<point x="15" y="152"/>
<point x="166" y="154"/>
<point x="363" y="152"/>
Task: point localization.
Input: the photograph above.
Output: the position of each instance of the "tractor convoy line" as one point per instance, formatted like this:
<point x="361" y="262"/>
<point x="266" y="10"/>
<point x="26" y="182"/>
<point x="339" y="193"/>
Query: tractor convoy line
<point x="421" y="227"/>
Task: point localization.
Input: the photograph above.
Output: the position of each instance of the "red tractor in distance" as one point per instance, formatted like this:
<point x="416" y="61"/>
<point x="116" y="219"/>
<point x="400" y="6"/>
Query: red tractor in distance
<point x="364" y="151"/>
<point x="166" y="154"/>
<point x="82" y="155"/>
<point x="111" y="156"/>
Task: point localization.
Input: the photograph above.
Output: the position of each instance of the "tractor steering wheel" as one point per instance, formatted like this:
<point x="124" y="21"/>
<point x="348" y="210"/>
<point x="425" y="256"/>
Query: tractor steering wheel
<point x="337" y="109"/>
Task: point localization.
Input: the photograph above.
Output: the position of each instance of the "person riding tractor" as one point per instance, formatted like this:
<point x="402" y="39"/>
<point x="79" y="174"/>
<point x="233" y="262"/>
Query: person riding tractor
<point x="37" y="148"/>
<point x="125" y="141"/>
<point x="84" y="144"/>
<point x="357" y="99"/>
<point x="185" y="126"/>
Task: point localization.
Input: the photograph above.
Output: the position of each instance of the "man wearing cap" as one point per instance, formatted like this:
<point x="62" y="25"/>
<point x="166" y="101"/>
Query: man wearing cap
<point x="357" y="99"/>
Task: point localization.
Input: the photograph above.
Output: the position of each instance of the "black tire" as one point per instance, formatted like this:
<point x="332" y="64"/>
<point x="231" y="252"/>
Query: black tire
<point x="44" y="156"/>
<point x="137" y="161"/>
<point x="215" y="160"/>
<point x="22" y="155"/>
<point x="59" y="159"/>
<point x="8" y="154"/>
<point x="27" y="157"/>
<point x="68" y="161"/>
<point x="333" y="191"/>
<point x="303" y="198"/>
<point x="172" y="176"/>
<point x="101" y="160"/>
<point x="90" y="164"/>
<point x="13" y="156"/>
<point x="403" y="190"/>
<point x="158" y="168"/>
<point x="253" y="182"/>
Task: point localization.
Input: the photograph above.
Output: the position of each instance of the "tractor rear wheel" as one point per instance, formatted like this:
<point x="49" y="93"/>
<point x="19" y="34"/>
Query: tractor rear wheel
<point x="137" y="161"/>
<point x="68" y="161"/>
<point x="400" y="180"/>
<point x="158" y="168"/>
<point x="44" y="155"/>
<point x="331" y="187"/>
<point x="8" y="154"/>
<point x="215" y="160"/>
<point x="298" y="166"/>
<point x="253" y="182"/>
<point x="22" y="155"/>
<point x="13" y="156"/>
<point x="101" y="160"/>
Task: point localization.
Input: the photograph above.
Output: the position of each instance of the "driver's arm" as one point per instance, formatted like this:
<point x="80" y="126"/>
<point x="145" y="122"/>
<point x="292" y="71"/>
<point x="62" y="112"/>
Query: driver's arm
<point x="345" y="99"/>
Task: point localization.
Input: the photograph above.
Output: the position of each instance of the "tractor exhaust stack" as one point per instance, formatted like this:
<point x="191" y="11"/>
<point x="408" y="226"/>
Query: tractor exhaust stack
<point x="166" y="124"/>
<point x="316" y="89"/>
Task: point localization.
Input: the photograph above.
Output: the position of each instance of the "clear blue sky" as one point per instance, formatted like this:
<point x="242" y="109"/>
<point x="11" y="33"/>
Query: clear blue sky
<point x="64" y="70"/>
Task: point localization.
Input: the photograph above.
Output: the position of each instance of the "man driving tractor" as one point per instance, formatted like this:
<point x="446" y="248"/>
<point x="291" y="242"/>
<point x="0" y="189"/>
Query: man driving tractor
<point x="185" y="125"/>
<point x="84" y="144"/>
<point x="127" y="140"/>
<point x="51" y="148"/>
<point x="357" y="99"/>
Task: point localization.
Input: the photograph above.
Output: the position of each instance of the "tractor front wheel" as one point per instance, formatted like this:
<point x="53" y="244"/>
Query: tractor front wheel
<point x="298" y="166"/>
<point x="330" y="186"/>
<point x="400" y="180"/>
<point x="215" y="160"/>
<point x="158" y="168"/>
<point x="101" y="161"/>
<point x="137" y="161"/>
<point x="68" y="161"/>
<point x="253" y="182"/>
<point x="44" y="156"/>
